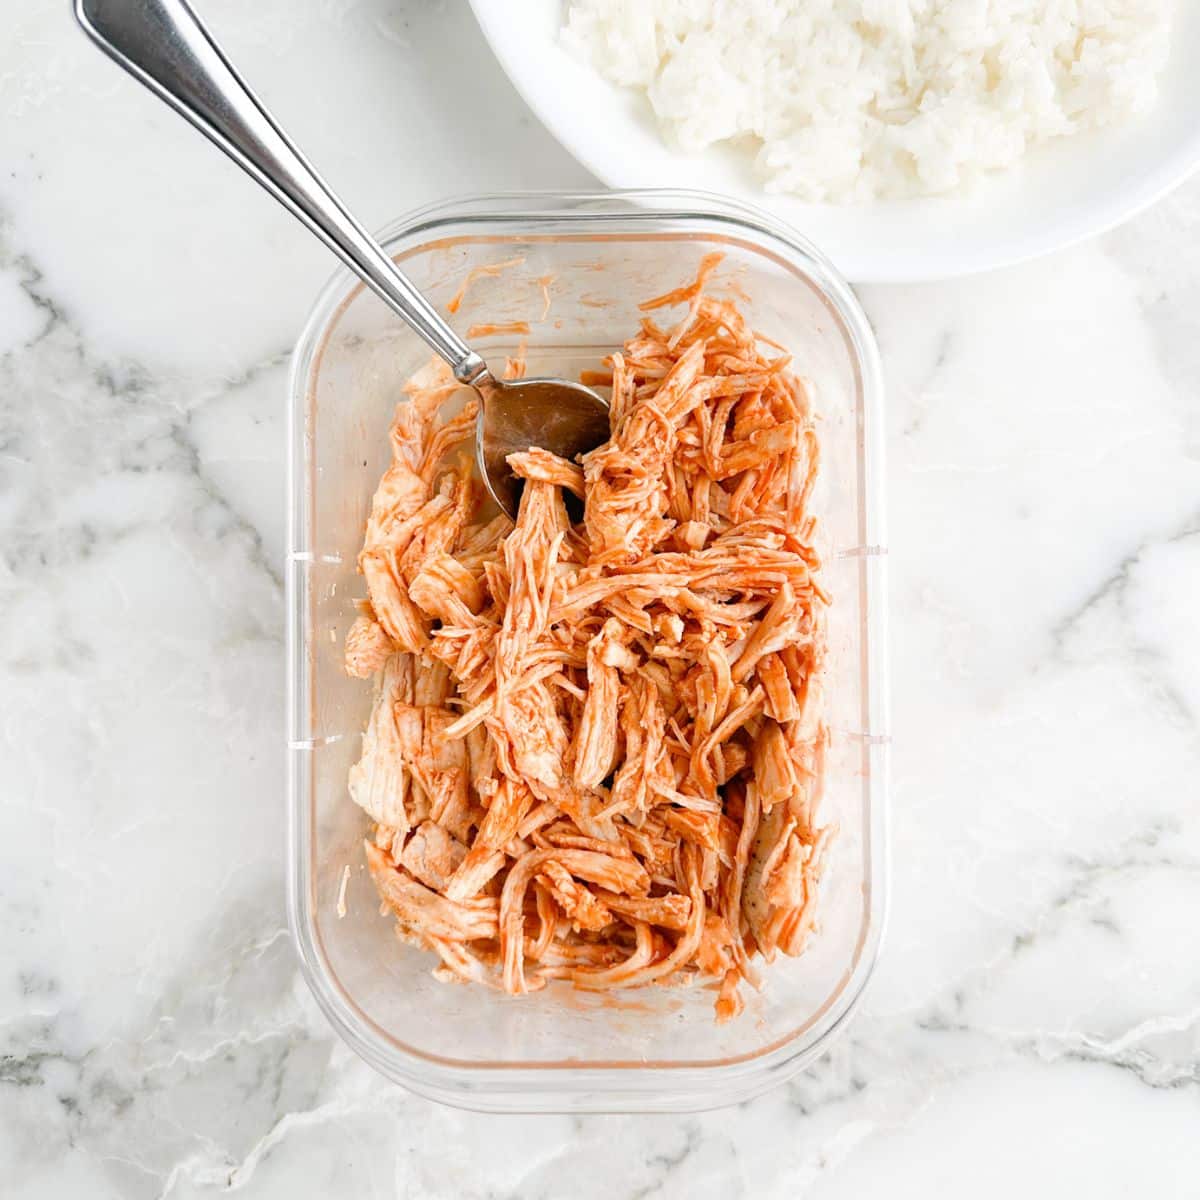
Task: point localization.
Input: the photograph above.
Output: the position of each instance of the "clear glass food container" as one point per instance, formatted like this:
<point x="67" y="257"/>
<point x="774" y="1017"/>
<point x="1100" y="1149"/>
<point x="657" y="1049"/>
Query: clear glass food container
<point x="587" y="260"/>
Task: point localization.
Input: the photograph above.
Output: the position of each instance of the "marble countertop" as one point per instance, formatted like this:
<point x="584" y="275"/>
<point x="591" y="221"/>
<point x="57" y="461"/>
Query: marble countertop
<point x="1034" y="1026"/>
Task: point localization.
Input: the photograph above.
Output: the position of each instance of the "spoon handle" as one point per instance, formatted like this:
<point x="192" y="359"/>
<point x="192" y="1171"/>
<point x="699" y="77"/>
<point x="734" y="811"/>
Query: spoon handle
<point x="164" y="45"/>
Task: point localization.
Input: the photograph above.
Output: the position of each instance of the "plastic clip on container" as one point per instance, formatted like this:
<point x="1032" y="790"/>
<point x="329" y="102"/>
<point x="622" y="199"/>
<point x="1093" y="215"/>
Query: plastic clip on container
<point x="561" y="1050"/>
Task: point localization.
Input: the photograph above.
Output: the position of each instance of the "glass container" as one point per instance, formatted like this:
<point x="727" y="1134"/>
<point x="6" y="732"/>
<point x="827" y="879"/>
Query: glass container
<point x="584" y="263"/>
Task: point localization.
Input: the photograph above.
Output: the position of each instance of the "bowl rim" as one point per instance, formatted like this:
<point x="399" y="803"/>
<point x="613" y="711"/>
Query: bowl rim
<point x="545" y="1086"/>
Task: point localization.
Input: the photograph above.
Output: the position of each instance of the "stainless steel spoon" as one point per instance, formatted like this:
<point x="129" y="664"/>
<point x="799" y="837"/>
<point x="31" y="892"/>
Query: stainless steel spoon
<point x="163" y="44"/>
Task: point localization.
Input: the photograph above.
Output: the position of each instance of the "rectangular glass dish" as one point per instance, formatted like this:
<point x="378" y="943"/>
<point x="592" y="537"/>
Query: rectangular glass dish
<point x="587" y="262"/>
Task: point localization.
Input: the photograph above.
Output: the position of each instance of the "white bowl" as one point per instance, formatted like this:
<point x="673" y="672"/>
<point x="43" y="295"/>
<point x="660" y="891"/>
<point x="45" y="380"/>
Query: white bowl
<point x="1065" y="191"/>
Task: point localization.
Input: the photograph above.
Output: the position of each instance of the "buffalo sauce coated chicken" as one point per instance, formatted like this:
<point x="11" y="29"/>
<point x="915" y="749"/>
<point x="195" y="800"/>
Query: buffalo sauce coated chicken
<point x="597" y="746"/>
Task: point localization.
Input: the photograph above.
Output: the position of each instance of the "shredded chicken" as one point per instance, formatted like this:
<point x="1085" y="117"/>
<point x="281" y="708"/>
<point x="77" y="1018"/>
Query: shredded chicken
<point x="493" y="328"/>
<point x="597" y="746"/>
<point x="487" y="271"/>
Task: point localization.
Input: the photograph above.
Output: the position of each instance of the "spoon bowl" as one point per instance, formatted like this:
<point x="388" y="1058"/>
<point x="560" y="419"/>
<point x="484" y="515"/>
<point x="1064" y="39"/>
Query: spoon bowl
<point x="565" y="418"/>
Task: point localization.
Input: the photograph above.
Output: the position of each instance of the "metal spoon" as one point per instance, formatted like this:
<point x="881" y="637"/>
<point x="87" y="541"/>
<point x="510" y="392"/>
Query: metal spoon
<point x="163" y="44"/>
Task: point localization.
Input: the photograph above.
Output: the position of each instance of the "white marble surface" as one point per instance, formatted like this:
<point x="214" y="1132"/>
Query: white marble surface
<point x="1034" y="1028"/>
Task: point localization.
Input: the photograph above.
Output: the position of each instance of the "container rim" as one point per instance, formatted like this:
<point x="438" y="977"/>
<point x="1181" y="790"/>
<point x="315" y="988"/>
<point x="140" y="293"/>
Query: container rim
<point x="583" y="1086"/>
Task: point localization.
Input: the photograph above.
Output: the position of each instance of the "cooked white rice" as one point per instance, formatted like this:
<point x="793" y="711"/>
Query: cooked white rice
<point x="848" y="101"/>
